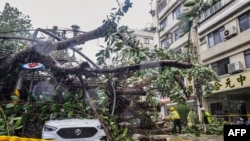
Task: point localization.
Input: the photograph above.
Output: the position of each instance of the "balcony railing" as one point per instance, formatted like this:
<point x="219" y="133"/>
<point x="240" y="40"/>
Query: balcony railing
<point x="160" y="5"/>
<point x="213" y="9"/>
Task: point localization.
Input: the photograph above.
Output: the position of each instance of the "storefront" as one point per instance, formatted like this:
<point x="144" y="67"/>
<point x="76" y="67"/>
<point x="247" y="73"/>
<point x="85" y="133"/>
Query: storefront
<point x="233" y="93"/>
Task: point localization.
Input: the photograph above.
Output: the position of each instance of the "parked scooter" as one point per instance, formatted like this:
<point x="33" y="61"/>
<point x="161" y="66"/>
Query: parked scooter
<point x="240" y="121"/>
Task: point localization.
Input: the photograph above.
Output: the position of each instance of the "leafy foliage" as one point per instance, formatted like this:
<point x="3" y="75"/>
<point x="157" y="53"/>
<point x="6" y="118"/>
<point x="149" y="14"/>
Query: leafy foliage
<point x="13" y="24"/>
<point x="8" y="124"/>
<point x="122" y="49"/>
<point x="215" y="128"/>
<point x="193" y="8"/>
<point x="11" y="19"/>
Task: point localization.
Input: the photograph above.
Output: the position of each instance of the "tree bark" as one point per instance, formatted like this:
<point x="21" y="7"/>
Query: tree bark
<point x="150" y="137"/>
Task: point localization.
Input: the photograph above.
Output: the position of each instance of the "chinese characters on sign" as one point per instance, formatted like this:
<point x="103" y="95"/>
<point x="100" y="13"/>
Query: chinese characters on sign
<point x="190" y="84"/>
<point x="231" y="82"/>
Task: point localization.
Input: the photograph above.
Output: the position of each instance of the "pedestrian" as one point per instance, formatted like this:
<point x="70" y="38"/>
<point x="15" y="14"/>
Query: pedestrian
<point x="192" y="119"/>
<point x="206" y="119"/>
<point x="175" y="117"/>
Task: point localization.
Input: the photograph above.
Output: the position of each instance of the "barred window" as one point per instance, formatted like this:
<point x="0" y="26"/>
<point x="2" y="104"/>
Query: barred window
<point x="220" y="67"/>
<point x="216" y="37"/>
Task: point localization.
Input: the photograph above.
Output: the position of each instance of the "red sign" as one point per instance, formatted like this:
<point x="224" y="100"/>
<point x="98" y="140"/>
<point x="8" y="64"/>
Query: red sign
<point x="33" y="66"/>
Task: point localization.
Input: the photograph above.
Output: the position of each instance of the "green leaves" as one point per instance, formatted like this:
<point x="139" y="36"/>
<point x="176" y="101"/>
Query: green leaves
<point x="190" y="3"/>
<point x="122" y="48"/>
<point x="10" y="105"/>
<point x="185" y="27"/>
<point x="11" y="19"/>
<point x="8" y="124"/>
<point x="16" y="123"/>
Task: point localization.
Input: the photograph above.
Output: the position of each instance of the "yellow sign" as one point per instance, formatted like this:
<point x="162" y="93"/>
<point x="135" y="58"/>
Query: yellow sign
<point x="236" y="81"/>
<point x="13" y="138"/>
<point x="190" y="85"/>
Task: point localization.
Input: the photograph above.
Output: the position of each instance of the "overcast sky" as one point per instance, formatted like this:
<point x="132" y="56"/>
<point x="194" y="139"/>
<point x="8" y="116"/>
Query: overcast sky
<point x="88" y="14"/>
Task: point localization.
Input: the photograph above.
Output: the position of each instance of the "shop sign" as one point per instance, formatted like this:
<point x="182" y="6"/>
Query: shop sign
<point x="190" y="85"/>
<point x="231" y="82"/>
<point x="33" y="65"/>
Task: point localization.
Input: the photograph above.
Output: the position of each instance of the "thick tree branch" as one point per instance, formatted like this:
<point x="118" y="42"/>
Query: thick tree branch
<point x="147" y="65"/>
<point x="41" y="50"/>
<point x="108" y="26"/>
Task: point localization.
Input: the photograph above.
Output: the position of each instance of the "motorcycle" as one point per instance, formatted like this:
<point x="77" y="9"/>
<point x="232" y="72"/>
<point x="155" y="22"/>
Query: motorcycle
<point x="240" y="121"/>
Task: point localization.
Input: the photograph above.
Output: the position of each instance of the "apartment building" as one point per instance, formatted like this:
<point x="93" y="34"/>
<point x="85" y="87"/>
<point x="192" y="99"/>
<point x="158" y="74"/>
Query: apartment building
<point x="223" y="43"/>
<point x="167" y="24"/>
<point x="145" y="36"/>
<point x="167" y="35"/>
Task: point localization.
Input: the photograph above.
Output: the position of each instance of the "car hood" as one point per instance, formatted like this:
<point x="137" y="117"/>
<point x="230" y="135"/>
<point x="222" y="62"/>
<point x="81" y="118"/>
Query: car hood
<point x="73" y="122"/>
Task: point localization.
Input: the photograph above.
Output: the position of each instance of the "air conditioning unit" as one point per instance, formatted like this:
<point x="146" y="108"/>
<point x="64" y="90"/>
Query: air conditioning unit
<point x="230" y="32"/>
<point x="235" y="67"/>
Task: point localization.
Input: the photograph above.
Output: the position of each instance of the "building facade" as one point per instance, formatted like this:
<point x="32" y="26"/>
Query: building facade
<point x="145" y="36"/>
<point x="167" y="35"/>
<point x="223" y="43"/>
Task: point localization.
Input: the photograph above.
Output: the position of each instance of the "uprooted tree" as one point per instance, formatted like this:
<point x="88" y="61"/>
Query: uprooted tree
<point x="126" y="71"/>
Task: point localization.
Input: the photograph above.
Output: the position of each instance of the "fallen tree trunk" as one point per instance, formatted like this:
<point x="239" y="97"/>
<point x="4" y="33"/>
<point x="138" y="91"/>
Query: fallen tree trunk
<point x="153" y="131"/>
<point x="150" y="137"/>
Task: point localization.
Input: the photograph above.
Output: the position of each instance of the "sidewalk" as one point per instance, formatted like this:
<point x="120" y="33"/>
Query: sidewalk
<point x="202" y="137"/>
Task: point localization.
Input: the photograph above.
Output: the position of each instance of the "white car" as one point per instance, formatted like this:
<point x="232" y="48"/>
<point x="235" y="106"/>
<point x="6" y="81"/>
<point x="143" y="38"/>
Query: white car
<point x="74" y="130"/>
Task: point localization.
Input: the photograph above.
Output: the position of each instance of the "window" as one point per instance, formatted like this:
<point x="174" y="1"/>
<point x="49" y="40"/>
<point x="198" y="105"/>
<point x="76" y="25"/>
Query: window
<point x="160" y="5"/>
<point x="177" y="12"/>
<point x="177" y="34"/>
<point x="216" y="108"/>
<point x="146" y="40"/>
<point x="208" y="12"/>
<point x="164" y="43"/>
<point x="167" y="41"/>
<point x="220" y="67"/>
<point x="244" y="22"/>
<point x="217" y="6"/>
<point x="163" y="24"/>
<point x="247" y="58"/>
<point x="212" y="9"/>
<point x="216" y="37"/>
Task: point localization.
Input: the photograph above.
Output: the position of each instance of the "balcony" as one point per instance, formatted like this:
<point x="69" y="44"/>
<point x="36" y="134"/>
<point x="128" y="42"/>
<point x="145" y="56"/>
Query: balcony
<point x="180" y="42"/>
<point x="220" y="14"/>
<point x="166" y="8"/>
<point x="161" y="4"/>
<point x="170" y="26"/>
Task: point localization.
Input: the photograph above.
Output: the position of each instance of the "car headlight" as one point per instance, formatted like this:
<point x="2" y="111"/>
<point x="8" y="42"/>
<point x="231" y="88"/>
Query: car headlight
<point x="99" y="127"/>
<point x="49" y="128"/>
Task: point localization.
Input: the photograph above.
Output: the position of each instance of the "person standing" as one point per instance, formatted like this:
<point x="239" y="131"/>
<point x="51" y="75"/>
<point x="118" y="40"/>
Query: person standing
<point x="175" y="117"/>
<point x="206" y="119"/>
<point x="192" y="119"/>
